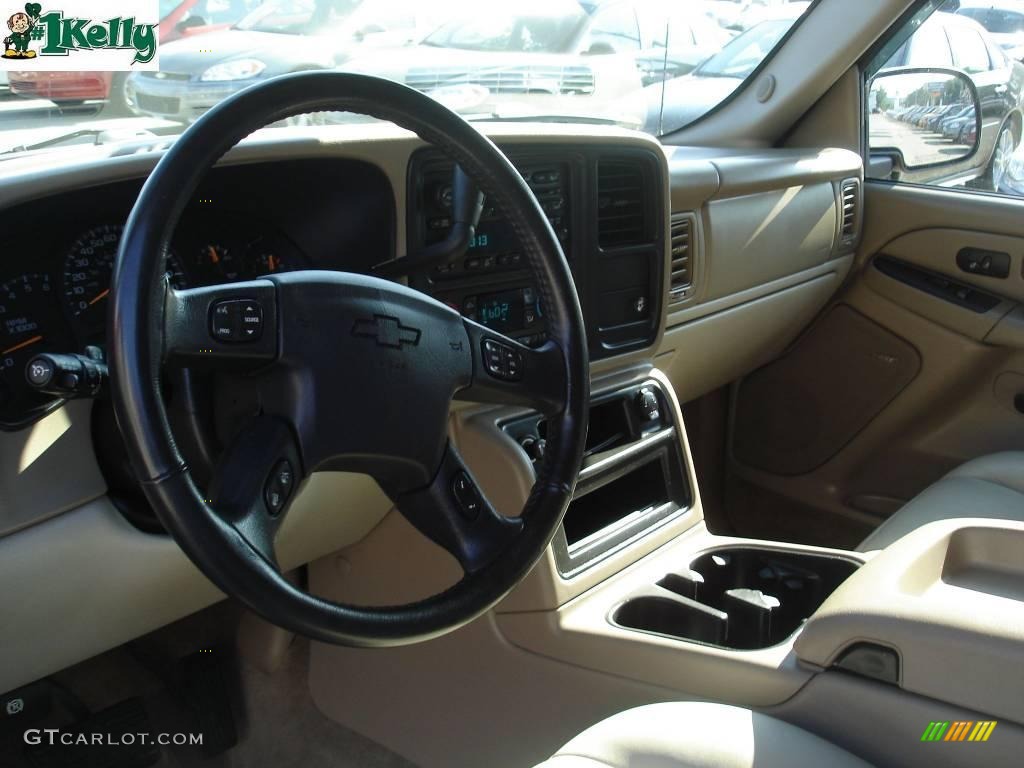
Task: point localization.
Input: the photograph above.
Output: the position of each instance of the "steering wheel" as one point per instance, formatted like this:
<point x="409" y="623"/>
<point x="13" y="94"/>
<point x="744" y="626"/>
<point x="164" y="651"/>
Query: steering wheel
<point x="354" y="373"/>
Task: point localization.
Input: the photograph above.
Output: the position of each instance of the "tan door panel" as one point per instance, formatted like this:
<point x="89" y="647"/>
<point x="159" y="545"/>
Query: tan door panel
<point x="852" y="438"/>
<point x="937" y="249"/>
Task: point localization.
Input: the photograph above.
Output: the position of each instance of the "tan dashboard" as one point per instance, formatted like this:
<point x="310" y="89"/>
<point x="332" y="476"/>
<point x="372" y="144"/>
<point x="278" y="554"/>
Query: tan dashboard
<point x="748" y="247"/>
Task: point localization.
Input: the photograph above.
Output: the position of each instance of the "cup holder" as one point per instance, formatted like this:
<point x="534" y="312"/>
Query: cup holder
<point x="740" y="598"/>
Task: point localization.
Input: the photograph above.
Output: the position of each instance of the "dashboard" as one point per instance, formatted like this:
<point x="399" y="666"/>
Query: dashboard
<point x="247" y="221"/>
<point x="55" y="283"/>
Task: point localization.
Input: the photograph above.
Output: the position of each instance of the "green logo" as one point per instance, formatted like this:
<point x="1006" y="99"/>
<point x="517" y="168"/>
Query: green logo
<point x="60" y="36"/>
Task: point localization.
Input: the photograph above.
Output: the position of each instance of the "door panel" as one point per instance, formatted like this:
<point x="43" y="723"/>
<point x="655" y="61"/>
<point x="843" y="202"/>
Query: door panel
<point x="896" y="383"/>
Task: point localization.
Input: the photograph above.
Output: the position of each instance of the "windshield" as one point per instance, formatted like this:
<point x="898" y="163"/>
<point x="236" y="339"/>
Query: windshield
<point x="744" y="54"/>
<point x="621" y="62"/>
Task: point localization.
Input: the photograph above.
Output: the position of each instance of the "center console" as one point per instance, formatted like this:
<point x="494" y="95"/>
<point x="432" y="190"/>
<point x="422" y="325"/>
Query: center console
<point x="605" y="208"/>
<point x="633" y="477"/>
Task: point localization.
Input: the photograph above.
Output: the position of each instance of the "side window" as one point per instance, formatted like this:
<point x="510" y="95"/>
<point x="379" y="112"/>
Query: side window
<point x="969" y="50"/>
<point x="614" y="31"/>
<point x="925" y="127"/>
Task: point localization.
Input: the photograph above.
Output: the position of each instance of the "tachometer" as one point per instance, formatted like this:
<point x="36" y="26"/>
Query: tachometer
<point x="30" y="322"/>
<point x="87" y="270"/>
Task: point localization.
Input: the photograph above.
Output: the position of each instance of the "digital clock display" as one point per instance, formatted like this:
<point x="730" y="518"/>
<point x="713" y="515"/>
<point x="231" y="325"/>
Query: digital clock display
<point x="505" y="311"/>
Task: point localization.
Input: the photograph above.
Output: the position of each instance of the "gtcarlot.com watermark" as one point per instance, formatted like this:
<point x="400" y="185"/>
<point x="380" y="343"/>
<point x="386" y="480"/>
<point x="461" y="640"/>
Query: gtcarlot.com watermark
<point x="55" y="736"/>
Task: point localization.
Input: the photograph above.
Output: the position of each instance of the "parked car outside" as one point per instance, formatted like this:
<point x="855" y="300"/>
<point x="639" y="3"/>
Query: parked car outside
<point x="954" y="40"/>
<point x="1004" y="21"/>
<point x="550" y="55"/>
<point x="740" y="15"/>
<point x="1012" y="182"/>
<point x="691" y="96"/>
<point x="952" y="126"/>
<point x="278" y="37"/>
<point x="178" y="19"/>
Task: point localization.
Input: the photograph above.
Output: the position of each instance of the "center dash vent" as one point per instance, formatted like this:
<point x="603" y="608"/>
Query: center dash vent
<point x="622" y="210"/>
<point x="682" y="256"/>
<point x="850" y="192"/>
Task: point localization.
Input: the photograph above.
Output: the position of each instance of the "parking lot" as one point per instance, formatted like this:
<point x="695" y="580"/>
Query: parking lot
<point x="920" y="146"/>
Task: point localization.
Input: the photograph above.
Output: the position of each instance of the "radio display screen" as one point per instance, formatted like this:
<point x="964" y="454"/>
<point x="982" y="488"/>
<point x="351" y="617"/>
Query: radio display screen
<point x="493" y="237"/>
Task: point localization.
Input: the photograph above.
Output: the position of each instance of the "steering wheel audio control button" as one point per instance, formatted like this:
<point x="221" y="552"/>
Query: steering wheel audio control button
<point x="467" y="497"/>
<point x="238" y="320"/>
<point x="278" y="487"/>
<point x="251" y="326"/>
<point x="502" y="361"/>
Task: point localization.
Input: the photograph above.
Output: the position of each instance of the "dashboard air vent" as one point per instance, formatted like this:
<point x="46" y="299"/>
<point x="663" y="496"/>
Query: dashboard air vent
<point x="850" y="191"/>
<point x="622" y="210"/>
<point x="682" y="256"/>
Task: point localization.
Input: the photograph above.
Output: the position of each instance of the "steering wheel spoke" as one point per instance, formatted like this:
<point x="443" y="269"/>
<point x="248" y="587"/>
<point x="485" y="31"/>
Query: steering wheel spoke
<point x="255" y="481"/>
<point x="229" y="324"/>
<point x="507" y="372"/>
<point x="454" y="513"/>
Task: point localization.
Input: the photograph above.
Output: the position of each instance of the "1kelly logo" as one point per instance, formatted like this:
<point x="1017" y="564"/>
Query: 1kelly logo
<point x="60" y="35"/>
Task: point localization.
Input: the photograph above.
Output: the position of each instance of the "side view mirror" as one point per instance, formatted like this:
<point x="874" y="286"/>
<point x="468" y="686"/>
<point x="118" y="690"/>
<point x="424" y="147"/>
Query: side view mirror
<point x="924" y="117"/>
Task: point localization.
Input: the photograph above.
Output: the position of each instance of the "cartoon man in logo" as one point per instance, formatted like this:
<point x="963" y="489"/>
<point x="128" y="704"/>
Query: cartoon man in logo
<point x="21" y="24"/>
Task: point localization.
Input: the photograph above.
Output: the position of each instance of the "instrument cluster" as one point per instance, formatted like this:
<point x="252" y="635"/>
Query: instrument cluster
<point x="59" y="303"/>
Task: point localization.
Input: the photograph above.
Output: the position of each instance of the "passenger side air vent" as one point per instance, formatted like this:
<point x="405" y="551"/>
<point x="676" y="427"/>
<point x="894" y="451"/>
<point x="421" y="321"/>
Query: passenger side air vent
<point x="850" y="192"/>
<point x="622" y="209"/>
<point x="683" y="242"/>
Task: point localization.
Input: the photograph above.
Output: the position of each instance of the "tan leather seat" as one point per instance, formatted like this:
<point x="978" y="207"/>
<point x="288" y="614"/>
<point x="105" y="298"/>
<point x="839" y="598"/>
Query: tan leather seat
<point x="694" y="735"/>
<point x="991" y="487"/>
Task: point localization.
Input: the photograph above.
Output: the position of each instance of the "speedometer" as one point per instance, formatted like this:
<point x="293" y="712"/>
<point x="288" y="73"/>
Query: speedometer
<point x="88" y="267"/>
<point x="87" y="270"/>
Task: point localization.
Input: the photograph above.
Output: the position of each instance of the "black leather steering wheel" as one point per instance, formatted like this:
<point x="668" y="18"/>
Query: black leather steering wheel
<point x="354" y="373"/>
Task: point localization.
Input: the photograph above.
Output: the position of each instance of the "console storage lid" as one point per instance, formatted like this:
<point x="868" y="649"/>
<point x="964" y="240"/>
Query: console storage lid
<point x="949" y="599"/>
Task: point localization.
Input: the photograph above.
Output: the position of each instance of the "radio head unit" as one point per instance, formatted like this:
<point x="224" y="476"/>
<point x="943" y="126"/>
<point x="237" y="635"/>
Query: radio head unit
<point x="607" y="208"/>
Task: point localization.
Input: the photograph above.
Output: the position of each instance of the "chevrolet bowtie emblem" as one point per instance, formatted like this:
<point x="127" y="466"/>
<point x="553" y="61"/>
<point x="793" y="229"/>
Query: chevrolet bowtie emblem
<point x="387" y="332"/>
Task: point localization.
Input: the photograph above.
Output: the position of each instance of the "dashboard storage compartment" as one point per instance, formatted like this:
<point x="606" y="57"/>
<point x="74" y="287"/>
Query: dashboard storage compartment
<point x="633" y="479"/>
<point x="642" y="490"/>
<point x="742" y="597"/>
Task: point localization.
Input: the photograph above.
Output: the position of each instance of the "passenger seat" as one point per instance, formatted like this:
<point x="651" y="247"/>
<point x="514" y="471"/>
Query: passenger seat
<point x="991" y="487"/>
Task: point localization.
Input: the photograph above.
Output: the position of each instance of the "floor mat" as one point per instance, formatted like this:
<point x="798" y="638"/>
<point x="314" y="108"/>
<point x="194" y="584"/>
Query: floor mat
<point x="278" y="724"/>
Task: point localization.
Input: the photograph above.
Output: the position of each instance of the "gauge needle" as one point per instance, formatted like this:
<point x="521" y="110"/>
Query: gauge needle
<point x="102" y="295"/>
<point x="214" y="258"/>
<point x="25" y="343"/>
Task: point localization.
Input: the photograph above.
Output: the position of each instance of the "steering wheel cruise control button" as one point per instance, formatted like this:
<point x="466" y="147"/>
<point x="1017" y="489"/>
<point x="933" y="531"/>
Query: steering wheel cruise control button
<point x="236" y="320"/>
<point x="467" y="497"/>
<point x="278" y="487"/>
<point x="502" y="361"/>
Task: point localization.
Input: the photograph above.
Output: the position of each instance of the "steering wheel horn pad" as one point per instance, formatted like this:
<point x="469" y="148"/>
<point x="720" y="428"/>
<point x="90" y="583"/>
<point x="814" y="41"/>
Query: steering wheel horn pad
<point x="354" y="373"/>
